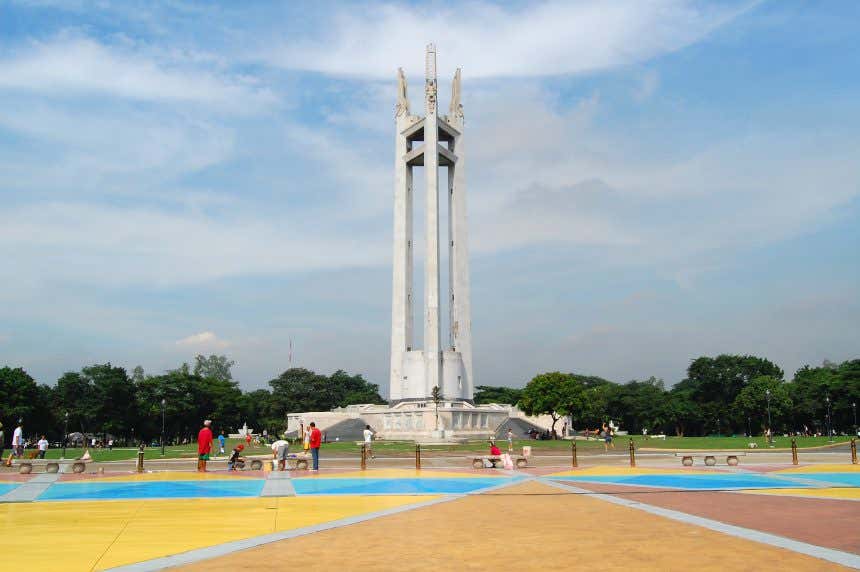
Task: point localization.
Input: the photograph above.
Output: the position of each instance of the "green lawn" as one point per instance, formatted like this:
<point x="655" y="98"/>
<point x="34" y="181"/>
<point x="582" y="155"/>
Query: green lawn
<point x="407" y="448"/>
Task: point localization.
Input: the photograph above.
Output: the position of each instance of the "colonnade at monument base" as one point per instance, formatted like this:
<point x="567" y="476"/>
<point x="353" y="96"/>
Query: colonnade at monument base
<point x="416" y="421"/>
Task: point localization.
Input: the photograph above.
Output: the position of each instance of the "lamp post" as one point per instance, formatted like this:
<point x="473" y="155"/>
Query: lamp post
<point x="65" y="431"/>
<point x="749" y="426"/>
<point x="163" y="403"/>
<point x="854" y="408"/>
<point x="769" y="425"/>
<point x="829" y="427"/>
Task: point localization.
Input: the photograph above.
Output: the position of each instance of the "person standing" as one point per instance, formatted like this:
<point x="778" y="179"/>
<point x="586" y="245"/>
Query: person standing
<point x="204" y="445"/>
<point x="221" y="441"/>
<point x="43" y="447"/>
<point x="510" y="436"/>
<point x="368" y="441"/>
<point x="18" y="440"/>
<point x="314" y="442"/>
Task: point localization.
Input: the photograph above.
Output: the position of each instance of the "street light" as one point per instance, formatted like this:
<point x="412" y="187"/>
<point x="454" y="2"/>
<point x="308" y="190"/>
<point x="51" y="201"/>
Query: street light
<point x="163" y="403"/>
<point x="829" y="427"/>
<point x="769" y="425"/>
<point x="749" y="426"/>
<point x="854" y="408"/>
<point x="65" y="431"/>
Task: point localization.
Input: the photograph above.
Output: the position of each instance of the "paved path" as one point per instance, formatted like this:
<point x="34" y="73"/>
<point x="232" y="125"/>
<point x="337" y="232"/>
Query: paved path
<point x="30" y="490"/>
<point x="531" y="526"/>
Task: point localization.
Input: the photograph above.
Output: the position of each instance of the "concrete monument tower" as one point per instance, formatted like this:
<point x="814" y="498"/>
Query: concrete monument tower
<point x="434" y="142"/>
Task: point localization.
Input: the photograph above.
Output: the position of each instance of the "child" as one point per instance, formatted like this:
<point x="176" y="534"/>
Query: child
<point x="43" y="447"/>
<point x="236" y="460"/>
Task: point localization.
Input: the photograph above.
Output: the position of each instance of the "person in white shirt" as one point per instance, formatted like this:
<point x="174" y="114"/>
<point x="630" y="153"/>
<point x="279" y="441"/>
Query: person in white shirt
<point x="368" y="441"/>
<point x="43" y="447"/>
<point x="18" y="441"/>
<point x="280" y="451"/>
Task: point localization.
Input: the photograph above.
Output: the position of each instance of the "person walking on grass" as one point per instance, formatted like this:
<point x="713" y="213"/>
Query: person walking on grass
<point x="314" y="442"/>
<point x="204" y="445"/>
<point x="18" y="440"/>
<point x="368" y="441"/>
<point x="221" y="441"/>
<point x="607" y="438"/>
<point x="510" y="440"/>
<point x="43" y="447"/>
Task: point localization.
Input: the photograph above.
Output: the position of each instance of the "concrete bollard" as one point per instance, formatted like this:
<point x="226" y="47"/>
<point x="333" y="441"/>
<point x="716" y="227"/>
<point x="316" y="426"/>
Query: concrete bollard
<point x="794" y="451"/>
<point x="363" y="457"/>
<point x="417" y="457"/>
<point x="853" y="451"/>
<point x="573" y="462"/>
<point x="632" y="450"/>
<point x="140" y="458"/>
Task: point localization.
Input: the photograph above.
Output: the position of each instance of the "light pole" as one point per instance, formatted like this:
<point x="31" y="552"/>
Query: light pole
<point x="65" y="431"/>
<point x="829" y="427"/>
<point x="163" y="403"/>
<point x="749" y="426"/>
<point x="769" y="426"/>
<point x="854" y="408"/>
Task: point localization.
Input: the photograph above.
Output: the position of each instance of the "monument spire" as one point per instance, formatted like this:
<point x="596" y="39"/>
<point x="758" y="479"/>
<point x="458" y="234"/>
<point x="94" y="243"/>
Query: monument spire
<point x="431" y="142"/>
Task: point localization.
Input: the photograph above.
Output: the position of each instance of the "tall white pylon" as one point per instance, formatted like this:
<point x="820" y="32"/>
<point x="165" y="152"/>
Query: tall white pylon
<point x="433" y="142"/>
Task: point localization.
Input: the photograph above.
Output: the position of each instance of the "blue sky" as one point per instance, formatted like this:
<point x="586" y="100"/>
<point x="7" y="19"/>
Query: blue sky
<point x="648" y="182"/>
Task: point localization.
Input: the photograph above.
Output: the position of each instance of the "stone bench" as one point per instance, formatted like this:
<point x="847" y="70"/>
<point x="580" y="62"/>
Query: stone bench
<point x="298" y="461"/>
<point x="710" y="458"/>
<point x="25" y="466"/>
<point x="478" y="462"/>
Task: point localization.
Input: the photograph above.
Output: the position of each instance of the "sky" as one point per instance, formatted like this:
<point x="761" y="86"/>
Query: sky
<point x="648" y="182"/>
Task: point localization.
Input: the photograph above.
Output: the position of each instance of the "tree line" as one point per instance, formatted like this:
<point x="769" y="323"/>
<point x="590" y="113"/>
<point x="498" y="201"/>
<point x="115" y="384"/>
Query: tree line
<point x="104" y="399"/>
<point x="724" y="395"/>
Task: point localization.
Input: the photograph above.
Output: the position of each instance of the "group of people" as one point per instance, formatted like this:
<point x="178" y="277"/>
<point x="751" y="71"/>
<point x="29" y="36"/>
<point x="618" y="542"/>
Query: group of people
<point x="280" y="448"/>
<point x="19" y="444"/>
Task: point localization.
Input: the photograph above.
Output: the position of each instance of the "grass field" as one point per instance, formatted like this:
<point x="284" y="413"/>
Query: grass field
<point x="404" y="448"/>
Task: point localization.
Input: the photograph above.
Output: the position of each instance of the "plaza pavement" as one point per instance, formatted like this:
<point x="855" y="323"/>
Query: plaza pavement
<point x="537" y="521"/>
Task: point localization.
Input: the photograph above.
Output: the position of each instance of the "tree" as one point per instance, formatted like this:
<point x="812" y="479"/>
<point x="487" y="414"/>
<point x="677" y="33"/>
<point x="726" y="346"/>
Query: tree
<point x="74" y="395"/>
<point x="20" y="397"/>
<point x="491" y="394"/>
<point x="300" y="389"/>
<point x="213" y="367"/>
<point x="753" y="399"/>
<point x="554" y="394"/>
<point x="113" y="398"/>
<point x="638" y="404"/>
<point x="436" y="394"/>
<point x="713" y="384"/>
<point x="353" y="389"/>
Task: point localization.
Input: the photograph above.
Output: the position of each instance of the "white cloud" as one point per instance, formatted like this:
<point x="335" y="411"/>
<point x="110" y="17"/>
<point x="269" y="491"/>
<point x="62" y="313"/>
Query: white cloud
<point x="203" y="340"/>
<point x="549" y="38"/>
<point x="76" y="242"/>
<point x="68" y="66"/>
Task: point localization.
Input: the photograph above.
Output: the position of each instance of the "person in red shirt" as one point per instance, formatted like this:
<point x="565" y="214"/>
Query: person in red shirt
<point x="315" y="441"/>
<point x="204" y="445"/>
<point x="495" y="451"/>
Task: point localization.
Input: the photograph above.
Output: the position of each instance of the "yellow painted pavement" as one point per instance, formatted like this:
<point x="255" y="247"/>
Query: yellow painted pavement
<point x="78" y="536"/>
<point x="397" y="474"/>
<point x="166" y="476"/>
<point x="830" y="468"/>
<point x="609" y="471"/>
<point x="827" y="493"/>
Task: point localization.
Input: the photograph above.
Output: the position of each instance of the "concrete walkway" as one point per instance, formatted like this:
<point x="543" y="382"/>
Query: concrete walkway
<point x="531" y="526"/>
